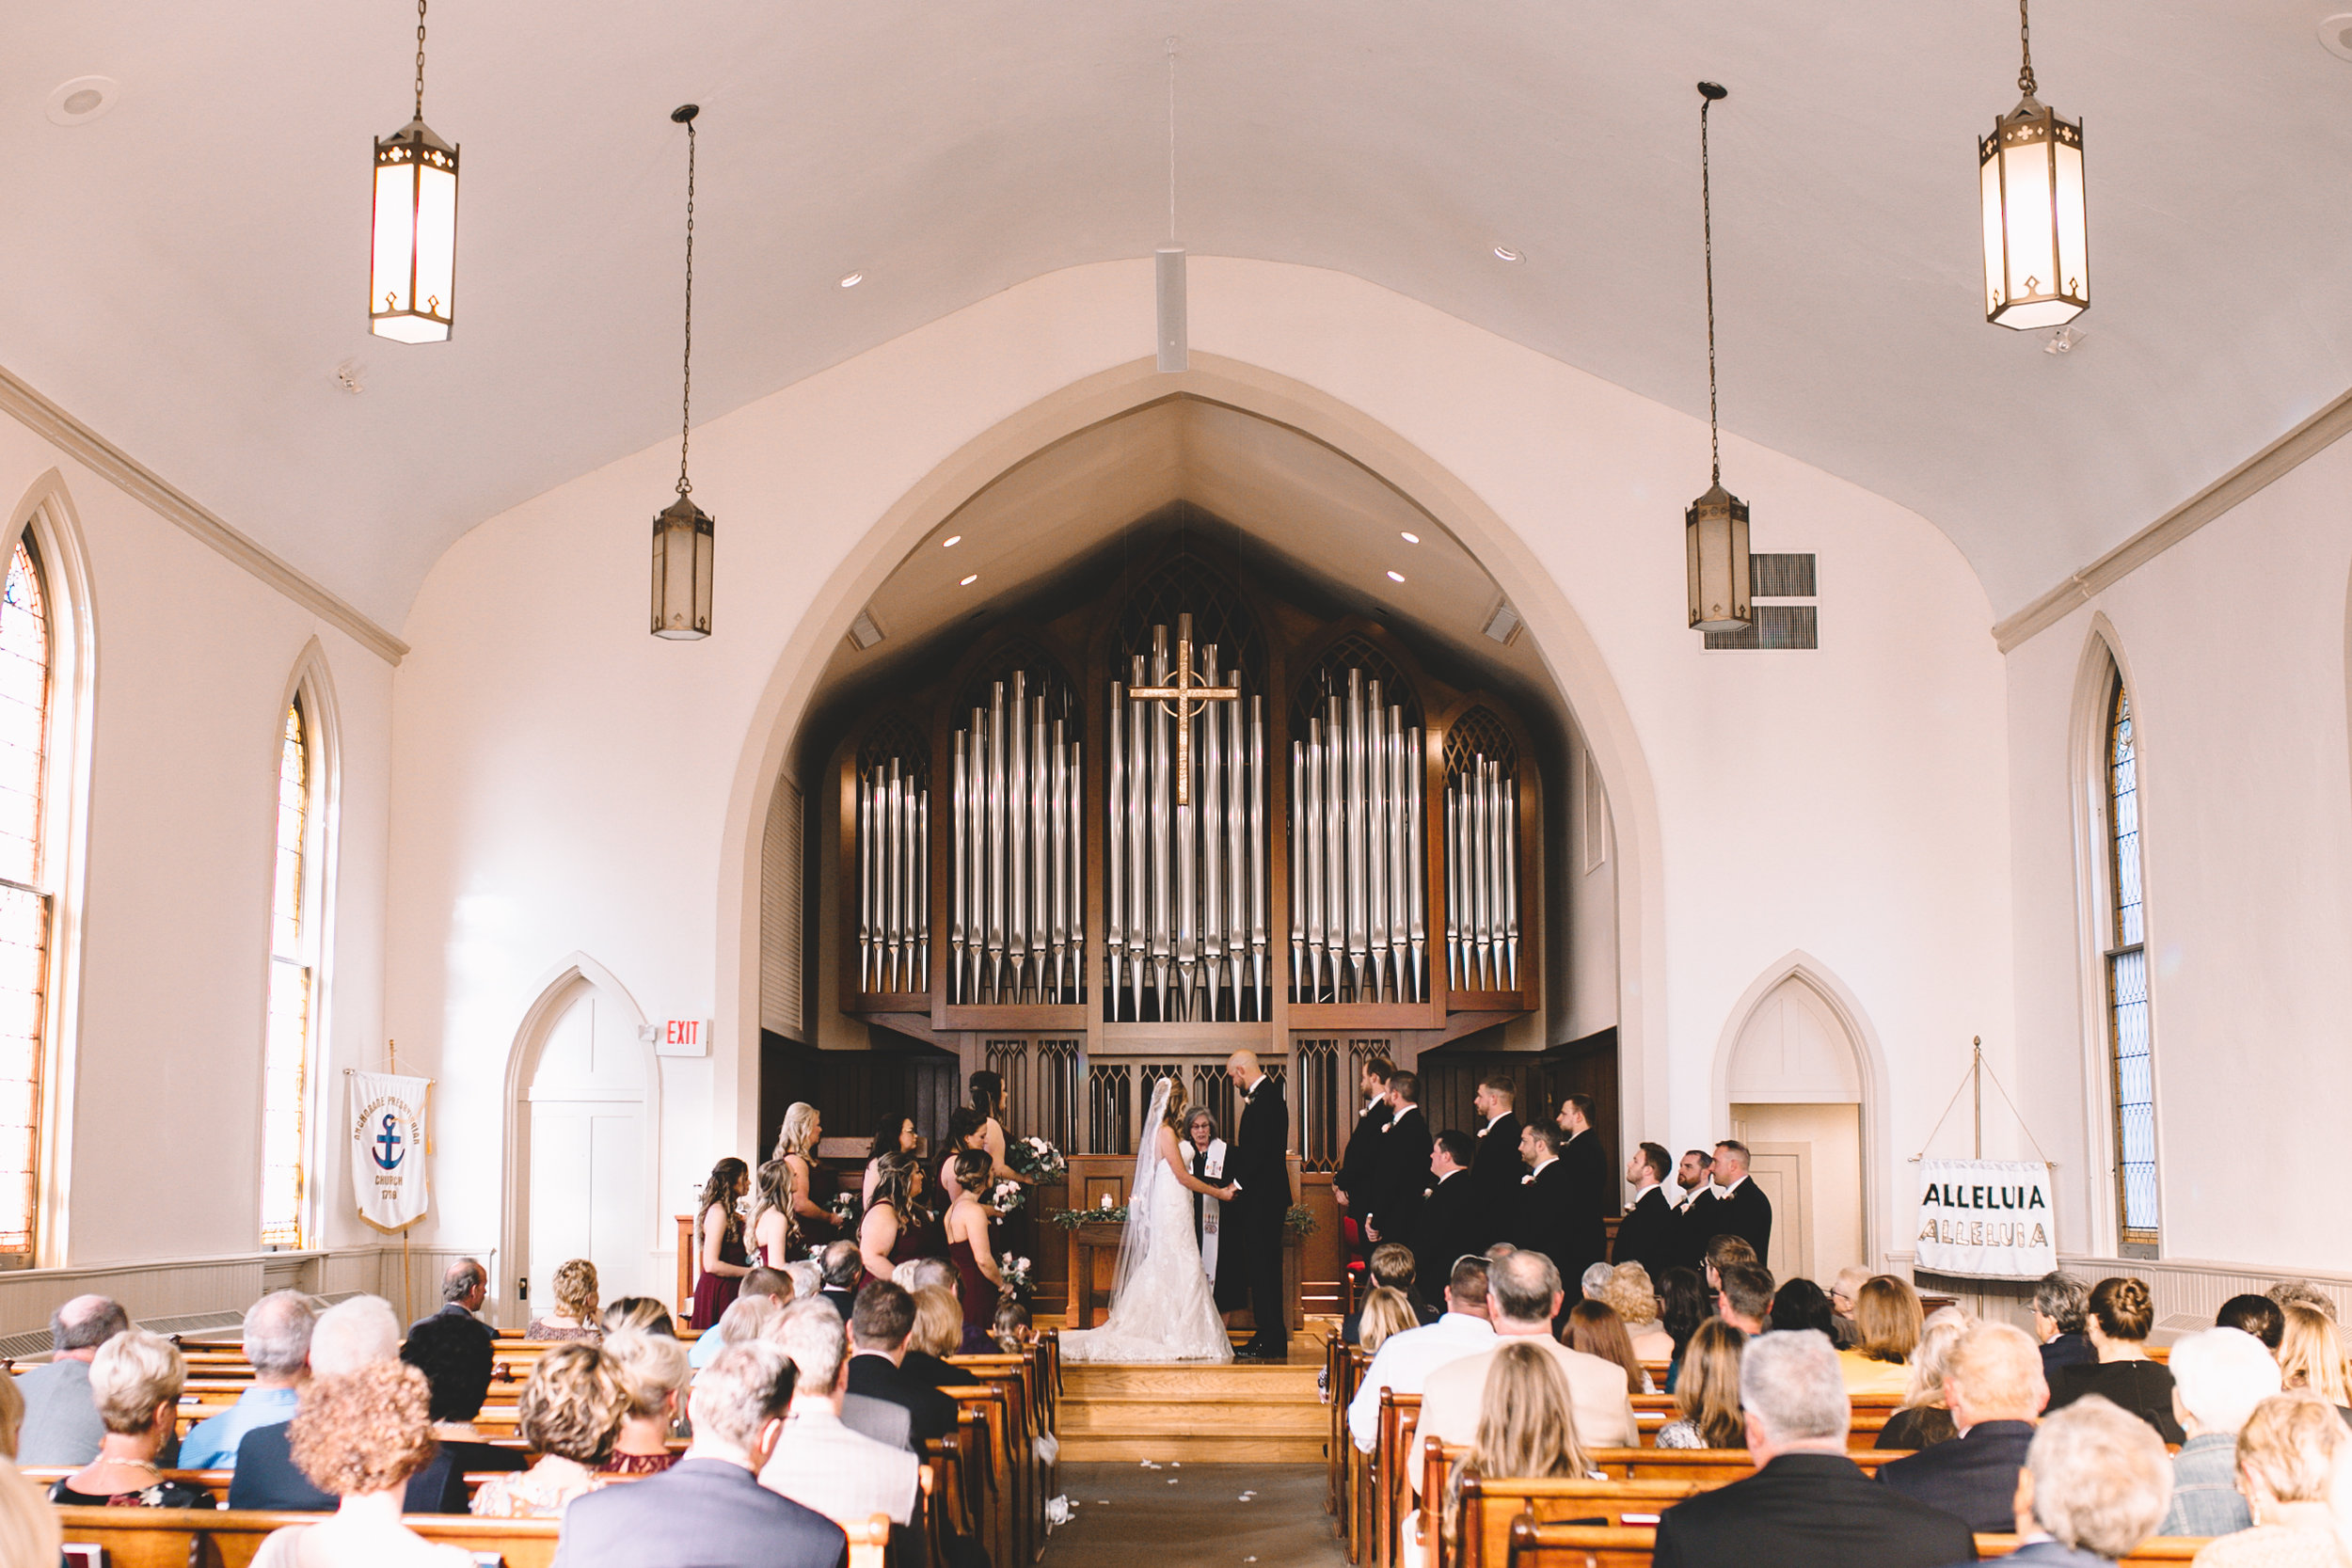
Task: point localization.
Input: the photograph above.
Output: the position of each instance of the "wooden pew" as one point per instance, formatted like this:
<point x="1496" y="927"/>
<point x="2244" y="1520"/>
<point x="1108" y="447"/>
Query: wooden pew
<point x="1539" y="1545"/>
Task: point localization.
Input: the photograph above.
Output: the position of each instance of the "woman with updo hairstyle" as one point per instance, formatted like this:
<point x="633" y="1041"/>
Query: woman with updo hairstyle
<point x="2122" y="1313"/>
<point x="1886" y="1324"/>
<point x="1633" y="1296"/>
<point x="359" y="1437"/>
<point x="652" y="1372"/>
<point x="570" y="1413"/>
<point x="979" y="1282"/>
<point x="134" y="1380"/>
<point x="576" y="1314"/>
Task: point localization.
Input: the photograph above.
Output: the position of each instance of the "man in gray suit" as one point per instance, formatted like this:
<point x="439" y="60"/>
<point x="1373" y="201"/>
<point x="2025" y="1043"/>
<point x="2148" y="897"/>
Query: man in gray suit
<point x="708" y="1510"/>
<point x="61" y="1422"/>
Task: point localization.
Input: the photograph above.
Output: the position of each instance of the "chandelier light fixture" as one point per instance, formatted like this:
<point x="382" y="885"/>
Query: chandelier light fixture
<point x="1715" y="527"/>
<point x="682" y="530"/>
<point x="412" y="274"/>
<point x="2030" y="170"/>
<point x="1168" y="261"/>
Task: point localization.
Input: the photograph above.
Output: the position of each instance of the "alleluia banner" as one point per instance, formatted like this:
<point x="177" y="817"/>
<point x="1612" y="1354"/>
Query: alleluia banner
<point x="1989" y="1218"/>
<point x="388" y="1147"/>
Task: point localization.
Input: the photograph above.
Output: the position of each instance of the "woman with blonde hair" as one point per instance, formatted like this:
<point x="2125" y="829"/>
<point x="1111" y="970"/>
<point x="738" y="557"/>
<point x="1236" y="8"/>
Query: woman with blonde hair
<point x="575" y="1316"/>
<point x="1387" y="1310"/>
<point x="1526" y="1425"/>
<point x="2121" y="1313"/>
<point x="719" y="1242"/>
<point x="28" y="1525"/>
<point x="773" y="1232"/>
<point x="651" y="1370"/>
<point x="1922" y="1420"/>
<point x="134" y="1380"/>
<point x="979" y="1282"/>
<point x="359" y="1437"/>
<point x="2312" y="1357"/>
<point x="570" y="1413"/>
<point x="1886" y="1321"/>
<point x="2286" y="1455"/>
<point x="1633" y="1296"/>
<point x="644" y="1313"/>
<point x="796" y="1145"/>
<point x="1708" y="1393"/>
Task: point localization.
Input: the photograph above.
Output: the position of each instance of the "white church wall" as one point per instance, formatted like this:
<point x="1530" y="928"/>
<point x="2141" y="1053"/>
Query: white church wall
<point x="565" y="781"/>
<point x="193" y="657"/>
<point x="2234" y="641"/>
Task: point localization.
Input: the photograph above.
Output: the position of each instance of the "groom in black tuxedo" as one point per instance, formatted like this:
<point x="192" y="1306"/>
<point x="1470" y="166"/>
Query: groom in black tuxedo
<point x="1249" y="1248"/>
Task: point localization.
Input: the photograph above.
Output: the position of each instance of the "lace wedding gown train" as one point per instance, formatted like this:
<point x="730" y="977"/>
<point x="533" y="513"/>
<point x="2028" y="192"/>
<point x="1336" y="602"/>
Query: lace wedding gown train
<point x="1162" y="1308"/>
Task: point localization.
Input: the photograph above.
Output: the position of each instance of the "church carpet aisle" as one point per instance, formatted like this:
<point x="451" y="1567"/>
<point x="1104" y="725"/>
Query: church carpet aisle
<point x="1182" y="1514"/>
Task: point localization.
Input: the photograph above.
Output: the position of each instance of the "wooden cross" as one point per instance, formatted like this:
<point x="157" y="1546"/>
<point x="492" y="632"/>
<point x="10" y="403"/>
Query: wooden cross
<point x="1188" y="693"/>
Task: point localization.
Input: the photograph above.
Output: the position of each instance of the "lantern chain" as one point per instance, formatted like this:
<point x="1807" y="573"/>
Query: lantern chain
<point x="2025" y="44"/>
<point x="1707" y="221"/>
<point x="420" y="58"/>
<point x="686" y="412"/>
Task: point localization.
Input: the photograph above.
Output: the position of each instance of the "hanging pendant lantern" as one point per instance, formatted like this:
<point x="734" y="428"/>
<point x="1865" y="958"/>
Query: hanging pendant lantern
<point x="412" y="274"/>
<point x="2029" y="174"/>
<point x="1715" y="526"/>
<point x="682" y="530"/>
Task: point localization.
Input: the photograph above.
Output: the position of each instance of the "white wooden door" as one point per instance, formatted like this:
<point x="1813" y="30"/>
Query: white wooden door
<point x="589" y="1171"/>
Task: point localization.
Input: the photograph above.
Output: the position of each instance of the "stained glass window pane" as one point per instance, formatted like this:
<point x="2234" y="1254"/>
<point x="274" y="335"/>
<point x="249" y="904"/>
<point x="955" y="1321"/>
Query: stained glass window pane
<point x="25" y="907"/>
<point x="24" y="718"/>
<point x="285" y="1068"/>
<point x="2127" y="986"/>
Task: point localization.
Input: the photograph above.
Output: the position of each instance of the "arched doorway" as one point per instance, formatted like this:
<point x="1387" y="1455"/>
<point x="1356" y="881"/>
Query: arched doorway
<point x="1797" y="1090"/>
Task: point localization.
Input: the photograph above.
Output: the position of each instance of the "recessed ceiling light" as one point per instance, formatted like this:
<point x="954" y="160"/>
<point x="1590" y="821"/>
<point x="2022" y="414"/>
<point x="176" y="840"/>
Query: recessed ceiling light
<point x="1410" y="537"/>
<point x="1396" y="576"/>
<point x="2335" y="35"/>
<point x="1504" y="253"/>
<point x="970" y="580"/>
<point x="853" y="280"/>
<point x="951" y="541"/>
<point x="82" y="100"/>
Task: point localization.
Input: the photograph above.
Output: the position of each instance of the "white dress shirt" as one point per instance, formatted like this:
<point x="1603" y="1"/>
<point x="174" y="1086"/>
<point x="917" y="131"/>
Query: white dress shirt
<point x="1647" y="1188"/>
<point x="1405" y="1359"/>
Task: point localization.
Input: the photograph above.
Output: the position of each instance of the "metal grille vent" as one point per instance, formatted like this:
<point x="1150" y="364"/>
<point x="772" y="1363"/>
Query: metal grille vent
<point x="897" y="736"/>
<point x="1047" y="685"/>
<point x="1478" y="734"/>
<point x="1781" y="576"/>
<point x="1330" y="673"/>
<point x="1184" y="584"/>
<point x="1775" y="626"/>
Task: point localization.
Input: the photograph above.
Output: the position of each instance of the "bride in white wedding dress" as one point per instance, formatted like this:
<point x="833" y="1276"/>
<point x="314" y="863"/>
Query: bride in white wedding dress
<point x="1162" y="1308"/>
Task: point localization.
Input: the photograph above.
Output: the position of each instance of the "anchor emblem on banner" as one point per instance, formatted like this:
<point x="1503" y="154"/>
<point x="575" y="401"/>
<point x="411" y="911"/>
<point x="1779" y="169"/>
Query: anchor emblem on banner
<point x="388" y="1154"/>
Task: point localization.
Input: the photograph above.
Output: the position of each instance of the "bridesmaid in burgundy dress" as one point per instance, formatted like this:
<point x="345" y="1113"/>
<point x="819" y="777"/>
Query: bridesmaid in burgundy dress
<point x="718" y="1241"/>
<point x="979" y="1283"/>
<point x="896" y="1228"/>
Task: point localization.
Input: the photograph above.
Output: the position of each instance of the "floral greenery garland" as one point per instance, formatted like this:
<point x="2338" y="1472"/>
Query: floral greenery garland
<point x="1299" y="1219"/>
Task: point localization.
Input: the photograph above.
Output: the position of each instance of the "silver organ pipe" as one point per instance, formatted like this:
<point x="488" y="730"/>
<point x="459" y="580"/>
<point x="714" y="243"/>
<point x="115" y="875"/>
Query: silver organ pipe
<point x="1115" y="863"/>
<point x="1358" y="851"/>
<point x="1186" y="884"/>
<point x="1481" y="922"/>
<point x="893" y="812"/>
<point x="1017" y="927"/>
<point x="1416" y="862"/>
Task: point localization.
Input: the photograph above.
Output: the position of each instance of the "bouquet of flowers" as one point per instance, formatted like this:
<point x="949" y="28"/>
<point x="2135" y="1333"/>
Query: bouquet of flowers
<point x="1005" y="1197"/>
<point x="1036" y="1159"/>
<point x="845" y="1209"/>
<point x="1017" y="1276"/>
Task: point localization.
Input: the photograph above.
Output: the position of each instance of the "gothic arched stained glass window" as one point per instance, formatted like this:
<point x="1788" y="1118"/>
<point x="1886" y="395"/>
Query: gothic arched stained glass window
<point x="27" y="903"/>
<point x="286" y="1059"/>
<point x="2128" y="1036"/>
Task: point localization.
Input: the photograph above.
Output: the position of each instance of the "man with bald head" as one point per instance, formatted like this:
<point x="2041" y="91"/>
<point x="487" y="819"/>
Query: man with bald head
<point x="1250" y="1251"/>
<point x="61" y="1422"/>
<point x="464" y="1286"/>
<point x="277" y="1344"/>
<point x="1993" y="1386"/>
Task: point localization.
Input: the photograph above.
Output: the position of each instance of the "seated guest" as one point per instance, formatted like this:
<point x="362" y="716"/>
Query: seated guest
<point x="1743" y="1296"/>
<point x="1387" y="1310"/>
<point x="2219" y="1377"/>
<point x="2311" y="1355"/>
<point x="1720" y="1252"/>
<point x="61" y="1425"/>
<point x="651" y="1370"/>
<point x="1807" y="1503"/>
<point x="1012" y="1328"/>
<point x="1886" y="1321"/>
<point x="277" y="1344"/>
<point x="2122" y="1313"/>
<point x="575" y="1314"/>
<point x="1708" y="1397"/>
<point x="1923" y="1420"/>
<point x="1526" y="1427"/>
<point x="464" y="1287"/>
<point x="11" y="1421"/>
<point x="878" y="1326"/>
<point x="841" y="1267"/>
<point x="1993" y="1383"/>
<point x="2060" y="1303"/>
<point x="2286" y="1455"/>
<point x="456" y="1359"/>
<point x="348" y="1337"/>
<point x="2256" y="1315"/>
<point x="2093" y="1488"/>
<point x="807" y="1277"/>
<point x="1405" y="1360"/>
<point x="570" y="1415"/>
<point x="926" y="1272"/>
<point x="708" y="1510"/>
<point x="1523" y="1293"/>
<point x="1800" y="1304"/>
<point x="1595" y="1280"/>
<point x="644" y="1313"/>
<point x="1841" y="1293"/>
<point x="134" y="1383"/>
<point x="1595" y="1328"/>
<point x="1635" y="1300"/>
<point x="28" y="1522"/>
<point x="820" y="1462"/>
<point x="1684" y="1301"/>
<point x="937" y="1334"/>
<point x="1393" y="1267"/>
<point x="2305" y="1291"/>
<point x="760" y="1283"/>
<point x="360" y="1437"/>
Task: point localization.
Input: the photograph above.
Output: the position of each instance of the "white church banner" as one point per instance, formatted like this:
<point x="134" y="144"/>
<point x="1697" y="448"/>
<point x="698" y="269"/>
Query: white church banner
<point x="388" y="1147"/>
<point x="1990" y="1218"/>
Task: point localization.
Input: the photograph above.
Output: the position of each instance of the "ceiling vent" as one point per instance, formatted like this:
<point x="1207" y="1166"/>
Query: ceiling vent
<point x="1778" y="625"/>
<point x="865" y="631"/>
<point x="1503" y="624"/>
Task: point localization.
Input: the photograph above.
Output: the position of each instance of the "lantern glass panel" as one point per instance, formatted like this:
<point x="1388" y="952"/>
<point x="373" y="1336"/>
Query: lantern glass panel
<point x="413" y="253"/>
<point x="1716" y="541"/>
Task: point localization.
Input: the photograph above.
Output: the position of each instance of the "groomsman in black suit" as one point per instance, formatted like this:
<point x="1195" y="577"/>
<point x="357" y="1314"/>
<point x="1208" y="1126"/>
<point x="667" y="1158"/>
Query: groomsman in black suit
<point x="1496" y="1169"/>
<point x="1545" y="1208"/>
<point x="1403" y="1169"/>
<point x="1449" y="1221"/>
<point x="1739" y="1209"/>
<point x="1592" y="1192"/>
<point x="1356" y="1184"/>
<point x="1647" y="1234"/>
<point x="1249" y="1243"/>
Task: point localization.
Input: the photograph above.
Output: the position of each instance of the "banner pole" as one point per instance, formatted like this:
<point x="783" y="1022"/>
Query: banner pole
<point x="407" y="1300"/>
<point x="1976" y="1077"/>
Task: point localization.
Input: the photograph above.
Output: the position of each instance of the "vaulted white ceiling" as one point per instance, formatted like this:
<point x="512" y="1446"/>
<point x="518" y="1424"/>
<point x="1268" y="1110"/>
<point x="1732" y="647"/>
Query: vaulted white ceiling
<point x="185" y="273"/>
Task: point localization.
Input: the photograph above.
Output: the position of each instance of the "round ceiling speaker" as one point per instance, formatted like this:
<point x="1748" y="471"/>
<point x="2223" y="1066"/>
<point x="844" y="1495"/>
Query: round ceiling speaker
<point x="2335" y="35"/>
<point x="86" y="98"/>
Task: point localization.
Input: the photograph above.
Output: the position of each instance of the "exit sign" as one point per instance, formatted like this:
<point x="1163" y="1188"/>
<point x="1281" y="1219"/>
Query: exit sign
<point x="684" y="1037"/>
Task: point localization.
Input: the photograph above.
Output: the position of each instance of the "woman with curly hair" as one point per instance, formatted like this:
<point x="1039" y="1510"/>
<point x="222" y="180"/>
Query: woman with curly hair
<point x="896" y="1228"/>
<point x="359" y="1437"/>
<point x="796" y="1145"/>
<point x="1634" y="1296"/>
<point x="570" y="1413"/>
<point x="719" y="1253"/>
<point x="576" y="1315"/>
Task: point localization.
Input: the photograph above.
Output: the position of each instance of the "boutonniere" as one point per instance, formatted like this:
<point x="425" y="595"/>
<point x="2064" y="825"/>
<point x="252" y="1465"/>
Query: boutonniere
<point x="1528" y="1178"/>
